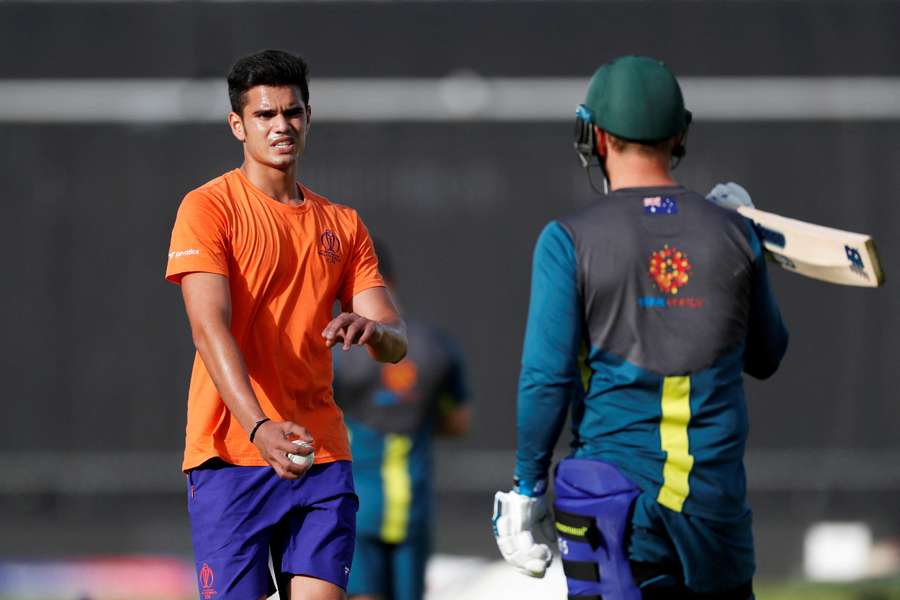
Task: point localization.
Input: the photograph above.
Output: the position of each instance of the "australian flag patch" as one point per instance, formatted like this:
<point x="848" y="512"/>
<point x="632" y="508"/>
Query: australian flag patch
<point x="660" y="205"/>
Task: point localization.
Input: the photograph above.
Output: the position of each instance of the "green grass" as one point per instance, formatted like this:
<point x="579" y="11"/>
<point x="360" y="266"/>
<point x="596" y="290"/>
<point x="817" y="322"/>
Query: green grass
<point x="871" y="590"/>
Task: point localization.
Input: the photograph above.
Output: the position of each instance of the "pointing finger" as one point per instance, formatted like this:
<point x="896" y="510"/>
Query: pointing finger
<point x="336" y="324"/>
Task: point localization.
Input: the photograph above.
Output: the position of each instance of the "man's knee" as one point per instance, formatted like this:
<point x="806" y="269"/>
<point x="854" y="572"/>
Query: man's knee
<point x="311" y="588"/>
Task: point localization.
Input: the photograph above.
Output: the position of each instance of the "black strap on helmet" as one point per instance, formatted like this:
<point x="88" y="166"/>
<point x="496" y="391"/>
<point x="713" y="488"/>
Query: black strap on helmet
<point x="586" y="145"/>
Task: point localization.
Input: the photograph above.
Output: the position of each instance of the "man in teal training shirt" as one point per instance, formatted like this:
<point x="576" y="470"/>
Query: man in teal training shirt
<point x="665" y="296"/>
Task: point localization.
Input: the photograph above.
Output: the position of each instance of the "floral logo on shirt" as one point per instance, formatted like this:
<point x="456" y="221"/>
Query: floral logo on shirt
<point x="669" y="269"/>
<point x="331" y="246"/>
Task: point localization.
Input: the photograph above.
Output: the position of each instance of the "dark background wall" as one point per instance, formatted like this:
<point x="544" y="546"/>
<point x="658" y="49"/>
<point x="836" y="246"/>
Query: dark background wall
<point x="411" y="38"/>
<point x="97" y="338"/>
<point x="97" y="353"/>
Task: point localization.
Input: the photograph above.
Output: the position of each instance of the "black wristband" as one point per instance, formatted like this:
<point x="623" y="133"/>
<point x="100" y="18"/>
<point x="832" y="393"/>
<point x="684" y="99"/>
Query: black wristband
<point x="255" y="427"/>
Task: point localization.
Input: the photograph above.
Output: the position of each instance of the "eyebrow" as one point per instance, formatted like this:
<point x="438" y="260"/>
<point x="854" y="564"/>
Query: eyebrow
<point x="290" y="110"/>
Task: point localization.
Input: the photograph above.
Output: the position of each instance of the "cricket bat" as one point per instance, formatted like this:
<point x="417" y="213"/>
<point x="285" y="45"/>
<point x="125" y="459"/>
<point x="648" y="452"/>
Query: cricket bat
<point x="818" y="252"/>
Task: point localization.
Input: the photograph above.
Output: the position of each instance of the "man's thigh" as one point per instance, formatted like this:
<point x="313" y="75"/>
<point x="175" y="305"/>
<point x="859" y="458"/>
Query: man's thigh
<point x="231" y="522"/>
<point x="707" y="556"/>
<point x="316" y="538"/>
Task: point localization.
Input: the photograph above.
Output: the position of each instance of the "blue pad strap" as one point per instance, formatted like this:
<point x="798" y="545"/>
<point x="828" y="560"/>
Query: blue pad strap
<point x="593" y="509"/>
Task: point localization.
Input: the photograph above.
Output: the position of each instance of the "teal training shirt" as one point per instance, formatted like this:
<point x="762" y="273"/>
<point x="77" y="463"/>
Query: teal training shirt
<point x="670" y="297"/>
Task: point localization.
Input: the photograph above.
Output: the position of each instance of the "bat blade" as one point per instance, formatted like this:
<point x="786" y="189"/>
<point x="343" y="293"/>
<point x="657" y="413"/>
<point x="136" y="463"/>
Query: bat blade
<point x="823" y="253"/>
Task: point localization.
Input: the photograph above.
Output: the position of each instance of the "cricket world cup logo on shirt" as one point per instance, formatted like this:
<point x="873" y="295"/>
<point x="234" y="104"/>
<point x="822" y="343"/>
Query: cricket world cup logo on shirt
<point x="331" y="246"/>
<point x="207" y="578"/>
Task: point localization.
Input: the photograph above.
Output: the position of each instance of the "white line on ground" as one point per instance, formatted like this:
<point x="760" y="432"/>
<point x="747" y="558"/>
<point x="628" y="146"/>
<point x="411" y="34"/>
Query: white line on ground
<point x="463" y="96"/>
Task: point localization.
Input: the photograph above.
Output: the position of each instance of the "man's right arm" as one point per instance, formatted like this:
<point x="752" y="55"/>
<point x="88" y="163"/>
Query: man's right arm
<point x="767" y="337"/>
<point x="207" y="300"/>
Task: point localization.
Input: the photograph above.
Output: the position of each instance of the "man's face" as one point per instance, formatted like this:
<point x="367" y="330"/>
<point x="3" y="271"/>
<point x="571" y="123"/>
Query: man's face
<point x="273" y="125"/>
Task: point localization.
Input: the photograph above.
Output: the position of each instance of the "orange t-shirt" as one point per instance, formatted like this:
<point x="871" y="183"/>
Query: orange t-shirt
<point x="286" y="265"/>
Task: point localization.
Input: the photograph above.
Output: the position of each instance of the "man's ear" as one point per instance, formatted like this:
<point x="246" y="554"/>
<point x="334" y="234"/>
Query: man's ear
<point x="236" y="124"/>
<point x="602" y="142"/>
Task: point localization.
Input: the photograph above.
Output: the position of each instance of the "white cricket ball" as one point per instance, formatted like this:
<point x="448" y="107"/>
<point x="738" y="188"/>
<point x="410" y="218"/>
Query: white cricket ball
<point x="301" y="459"/>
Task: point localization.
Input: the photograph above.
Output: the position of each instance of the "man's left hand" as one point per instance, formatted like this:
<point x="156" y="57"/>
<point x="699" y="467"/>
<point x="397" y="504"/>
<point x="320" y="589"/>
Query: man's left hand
<point x="517" y="521"/>
<point x="349" y="329"/>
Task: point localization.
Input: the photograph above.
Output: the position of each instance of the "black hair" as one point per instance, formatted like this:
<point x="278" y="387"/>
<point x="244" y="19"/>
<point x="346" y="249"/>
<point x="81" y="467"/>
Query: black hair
<point x="267" y="67"/>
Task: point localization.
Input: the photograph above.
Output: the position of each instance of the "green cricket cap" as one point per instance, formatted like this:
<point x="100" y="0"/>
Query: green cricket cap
<point x="638" y="99"/>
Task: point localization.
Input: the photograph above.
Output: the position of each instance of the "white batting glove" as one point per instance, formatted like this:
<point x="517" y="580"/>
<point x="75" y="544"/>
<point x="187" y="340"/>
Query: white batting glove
<point x="517" y="519"/>
<point x="729" y="195"/>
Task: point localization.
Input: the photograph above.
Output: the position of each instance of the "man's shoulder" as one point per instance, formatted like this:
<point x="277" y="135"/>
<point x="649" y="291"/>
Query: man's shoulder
<point x="600" y="210"/>
<point x="633" y="204"/>
<point x="214" y="191"/>
<point x="342" y="211"/>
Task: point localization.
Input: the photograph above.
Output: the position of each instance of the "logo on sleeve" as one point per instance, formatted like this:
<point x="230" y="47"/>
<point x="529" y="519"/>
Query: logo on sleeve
<point x="331" y="246"/>
<point x="180" y="253"/>
<point x="671" y="270"/>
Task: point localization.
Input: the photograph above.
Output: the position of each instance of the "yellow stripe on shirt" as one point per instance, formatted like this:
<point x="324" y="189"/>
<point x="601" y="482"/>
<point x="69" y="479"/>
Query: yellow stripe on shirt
<point x="586" y="371"/>
<point x="673" y="434"/>
<point x="397" y="488"/>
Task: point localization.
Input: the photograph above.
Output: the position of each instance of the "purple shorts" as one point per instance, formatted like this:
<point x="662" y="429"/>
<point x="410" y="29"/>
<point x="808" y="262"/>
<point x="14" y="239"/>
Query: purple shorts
<point x="240" y="514"/>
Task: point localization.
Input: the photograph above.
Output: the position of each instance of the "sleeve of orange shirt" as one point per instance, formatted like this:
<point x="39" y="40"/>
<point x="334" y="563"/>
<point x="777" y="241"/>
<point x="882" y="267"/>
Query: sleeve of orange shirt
<point x="199" y="238"/>
<point x="361" y="272"/>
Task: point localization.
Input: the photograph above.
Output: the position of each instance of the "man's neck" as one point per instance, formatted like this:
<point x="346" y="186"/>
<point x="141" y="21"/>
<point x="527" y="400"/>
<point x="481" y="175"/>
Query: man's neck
<point x="630" y="170"/>
<point x="275" y="183"/>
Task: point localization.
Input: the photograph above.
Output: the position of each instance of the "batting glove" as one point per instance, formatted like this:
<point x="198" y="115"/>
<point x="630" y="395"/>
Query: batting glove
<point x="517" y="519"/>
<point x="729" y="195"/>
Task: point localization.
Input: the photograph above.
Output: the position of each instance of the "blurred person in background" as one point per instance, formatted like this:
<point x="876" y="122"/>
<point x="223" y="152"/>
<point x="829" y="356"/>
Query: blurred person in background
<point x="261" y="260"/>
<point x="393" y="411"/>
<point x="664" y="298"/>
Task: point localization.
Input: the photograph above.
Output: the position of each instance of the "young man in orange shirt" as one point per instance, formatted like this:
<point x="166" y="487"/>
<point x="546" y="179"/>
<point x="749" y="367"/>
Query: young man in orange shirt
<point x="261" y="259"/>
